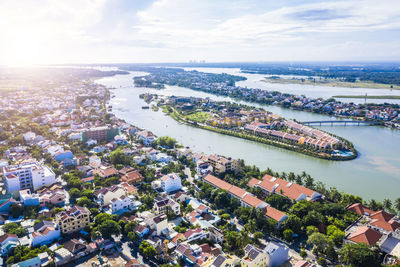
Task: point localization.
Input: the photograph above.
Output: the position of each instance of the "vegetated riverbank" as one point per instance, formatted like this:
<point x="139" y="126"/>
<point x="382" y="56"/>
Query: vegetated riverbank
<point x="171" y="111"/>
<point x="369" y="96"/>
<point x="330" y="82"/>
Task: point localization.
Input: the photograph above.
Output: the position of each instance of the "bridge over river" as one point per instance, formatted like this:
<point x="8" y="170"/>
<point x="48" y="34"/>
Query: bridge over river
<point x="341" y="122"/>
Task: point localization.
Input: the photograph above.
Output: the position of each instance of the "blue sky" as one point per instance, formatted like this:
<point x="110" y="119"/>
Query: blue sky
<point x="102" y="31"/>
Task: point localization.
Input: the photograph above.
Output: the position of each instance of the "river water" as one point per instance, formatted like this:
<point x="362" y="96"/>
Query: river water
<point x="314" y="91"/>
<point x="374" y="174"/>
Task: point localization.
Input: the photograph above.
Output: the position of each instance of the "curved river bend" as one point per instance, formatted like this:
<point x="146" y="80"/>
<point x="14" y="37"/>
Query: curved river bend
<point x="374" y="174"/>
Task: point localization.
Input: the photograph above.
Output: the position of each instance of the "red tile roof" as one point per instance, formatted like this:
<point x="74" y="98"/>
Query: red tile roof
<point x="252" y="200"/>
<point x="381" y="215"/>
<point x="273" y="213"/>
<point x="359" y="209"/>
<point x="217" y="182"/>
<point x="365" y="235"/>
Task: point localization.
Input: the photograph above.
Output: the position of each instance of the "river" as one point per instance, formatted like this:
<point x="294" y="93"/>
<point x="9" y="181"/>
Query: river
<point x="374" y="174"/>
<point x="314" y="91"/>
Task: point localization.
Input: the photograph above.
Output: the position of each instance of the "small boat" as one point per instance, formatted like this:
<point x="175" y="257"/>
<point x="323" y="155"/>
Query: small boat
<point x="145" y="107"/>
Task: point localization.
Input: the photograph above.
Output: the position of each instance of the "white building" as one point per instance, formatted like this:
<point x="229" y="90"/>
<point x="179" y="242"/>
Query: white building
<point x="122" y="203"/>
<point x="95" y="161"/>
<point x="106" y="195"/>
<point x="32" y="175"/>
<point x="278" y="254"/>
<point x="147" y="137"/>
<point x="29" y="136"/>
<point x="171" y="182"/>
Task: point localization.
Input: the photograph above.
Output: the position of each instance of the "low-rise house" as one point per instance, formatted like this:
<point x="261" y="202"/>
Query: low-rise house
<point x="254" y="257"/>
<point x="106" y="172"/>
<point x="158" y="223"/>
<point x="171" y="182"/>
<point x="45" y="232"/>
<point x="364" y="235"/>
<point x="215" y="235"/>
<point x="163" y="204"/>
<point x="33" y="262"/>
<point x="63" y="256"/>
<point x="122" y="204"/>
<point x="278" y="254"/>
<point x="73" y="220"/>
<point x="106" y="194"/>
<point x="132" y="177"/>
<point x="293" y="191"/>
<point x="7" y="243"/>
<point x="77" y="247"/>
<point x="147" y="137"/>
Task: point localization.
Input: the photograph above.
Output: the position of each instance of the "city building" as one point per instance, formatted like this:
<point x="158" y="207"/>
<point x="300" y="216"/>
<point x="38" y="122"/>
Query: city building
<point x="171" y="182"/>
<point x="254" y="257"/>
<point x="32" y="175"/>
<point x="44" y="233"/>
<point x="103" y="133"/>
<point x="73" y="220"/>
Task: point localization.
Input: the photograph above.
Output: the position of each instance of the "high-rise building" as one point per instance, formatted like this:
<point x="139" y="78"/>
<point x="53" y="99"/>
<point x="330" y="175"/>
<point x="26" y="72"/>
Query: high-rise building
<point x="32" y="175"/>
<point x="103" y="133"/>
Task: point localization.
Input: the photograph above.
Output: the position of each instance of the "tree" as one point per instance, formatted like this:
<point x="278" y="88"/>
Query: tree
<point x="397" y="204"/>
<point x="84" y="202"/>
<point x="14" y="228"/>
<point x="311" y="229"/>
<point x="279" y="202"/>
<point x="147" y="250"/>
<point x="167" y="141"/>
<point x="74" y="193"/>
<point x="320" y="242"/>
<point x="288" y="235"/>
<point x="292" y="222"/>
<point x="359" y="255"/>
<point x="88" y="193"/>
<point x="130" y="226"/>
<point x="102" y="217"/>
<point x="108" y="228"/>
<point x="314" y="218"/>
<point x="335" y="234"/>
<point x="16" y="210"/>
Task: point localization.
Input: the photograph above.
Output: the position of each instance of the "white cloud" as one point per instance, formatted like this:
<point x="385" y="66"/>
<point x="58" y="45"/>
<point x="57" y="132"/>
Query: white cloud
<point x="178" y="30"/>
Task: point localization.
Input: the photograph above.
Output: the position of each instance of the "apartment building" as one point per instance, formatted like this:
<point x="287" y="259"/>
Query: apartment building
<point x="73" y="220"/>
<point x="102" y="133"/>
<point x="32" y="175"/>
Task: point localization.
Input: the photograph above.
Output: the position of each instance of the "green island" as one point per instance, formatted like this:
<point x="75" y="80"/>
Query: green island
<point x="369" y="96"/>
<point x="331" y="82"/>
<point x="257" y="125"/>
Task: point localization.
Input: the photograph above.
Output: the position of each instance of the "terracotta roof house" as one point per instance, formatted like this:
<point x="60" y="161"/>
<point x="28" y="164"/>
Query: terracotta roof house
<point x="365" y="235"/>
<point x="275" y="214"/>
<point x="291" y="190"/>
<point x="133" y="177"/>
<point x="360" y="209"/>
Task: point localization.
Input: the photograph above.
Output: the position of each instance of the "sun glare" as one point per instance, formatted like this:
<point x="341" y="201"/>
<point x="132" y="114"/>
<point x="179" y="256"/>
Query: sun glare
<point x="26" y="46"/>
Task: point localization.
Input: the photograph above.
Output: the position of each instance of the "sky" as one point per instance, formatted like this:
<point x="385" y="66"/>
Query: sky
<point x="129" y="31"/>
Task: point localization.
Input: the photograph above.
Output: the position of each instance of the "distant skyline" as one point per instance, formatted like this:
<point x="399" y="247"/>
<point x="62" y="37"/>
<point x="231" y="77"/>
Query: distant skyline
<point x="128" y="31"/>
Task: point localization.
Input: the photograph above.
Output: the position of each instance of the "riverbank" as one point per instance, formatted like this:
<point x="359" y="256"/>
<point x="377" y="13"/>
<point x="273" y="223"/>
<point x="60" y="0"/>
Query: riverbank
<point x="173" y="113"/>
<point x="331" y="83"/>
<point x="368" y="96"/>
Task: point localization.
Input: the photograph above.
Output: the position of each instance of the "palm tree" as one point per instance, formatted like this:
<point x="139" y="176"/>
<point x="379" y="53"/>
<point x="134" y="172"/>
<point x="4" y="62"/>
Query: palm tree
<point x="387" y="204"/>
<point x="397" y="204"/>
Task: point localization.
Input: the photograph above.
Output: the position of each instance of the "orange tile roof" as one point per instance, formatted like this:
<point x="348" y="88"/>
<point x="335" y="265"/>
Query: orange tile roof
<point x="237" y="191"/>
<point x="273" y="213"/>
<point x="365" y="235"/>
<point x="253" y="182"/>
<point x="391" y="226"/>
<point x="382" y="215"/>
<point x="252" y="200"/>
<point x="217" y="182"/>
<point x="359" y="209"/>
